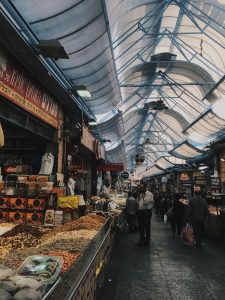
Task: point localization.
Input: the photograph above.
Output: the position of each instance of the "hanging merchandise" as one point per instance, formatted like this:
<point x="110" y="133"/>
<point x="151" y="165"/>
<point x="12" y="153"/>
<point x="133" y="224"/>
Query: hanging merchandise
<point x="71" y="187"/>
<point x="2" y="141"/>
<point x="47" y="164"/>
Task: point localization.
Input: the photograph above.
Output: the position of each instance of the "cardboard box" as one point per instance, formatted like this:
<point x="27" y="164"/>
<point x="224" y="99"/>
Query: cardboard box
<point x="36" y="204"/>
<point x="33" y="178"/>
<point x="4" y="202"/>
<point x="4" y="216"/>
<point x="58" y="191"/>
<point x="18" y="203"/>
<point x="34" y="218"/>
<point x="18" y="217"/>
<point x="42" y="179"/>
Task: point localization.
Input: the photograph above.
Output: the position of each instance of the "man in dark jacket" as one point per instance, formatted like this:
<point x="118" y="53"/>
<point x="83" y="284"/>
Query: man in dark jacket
<point x="177" y="215"/>
<point x="198" y="209"/>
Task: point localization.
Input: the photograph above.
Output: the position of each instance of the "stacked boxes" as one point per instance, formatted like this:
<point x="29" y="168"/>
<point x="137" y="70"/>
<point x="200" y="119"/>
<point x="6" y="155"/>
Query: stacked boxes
<point x="18" y="217"/>
<point x="4" y="202"/>
<point x="26" y="199"/>
<point x="34" y="218"/>
<point x="4" y="216"/>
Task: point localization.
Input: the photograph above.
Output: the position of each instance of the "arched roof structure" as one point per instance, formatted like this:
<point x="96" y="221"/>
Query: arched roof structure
<point x="129" y="53"/>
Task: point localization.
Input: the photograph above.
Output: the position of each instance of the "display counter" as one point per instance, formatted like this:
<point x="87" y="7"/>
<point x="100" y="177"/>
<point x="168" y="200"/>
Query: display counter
<point x="83" y="278"/>
<point x="83" y="246"/>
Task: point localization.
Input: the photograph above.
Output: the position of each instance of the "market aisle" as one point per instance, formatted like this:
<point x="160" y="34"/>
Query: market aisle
<point x="168" y="270"/>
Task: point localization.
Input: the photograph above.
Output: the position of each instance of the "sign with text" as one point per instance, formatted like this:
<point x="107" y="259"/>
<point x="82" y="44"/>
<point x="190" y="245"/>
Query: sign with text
<point x="17" y="86"/>
<point x="200" y="178"/>
<point x="124" y="175"/>
<point x="185" y="177"/>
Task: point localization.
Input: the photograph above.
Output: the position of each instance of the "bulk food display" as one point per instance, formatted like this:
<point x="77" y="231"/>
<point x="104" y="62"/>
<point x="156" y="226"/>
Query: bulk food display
<point x="34" y="257"/>
<point x="42" y="239"/>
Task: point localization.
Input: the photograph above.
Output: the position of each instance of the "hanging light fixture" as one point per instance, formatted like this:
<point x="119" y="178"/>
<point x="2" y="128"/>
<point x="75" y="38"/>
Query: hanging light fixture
<point x="81" y="90"/>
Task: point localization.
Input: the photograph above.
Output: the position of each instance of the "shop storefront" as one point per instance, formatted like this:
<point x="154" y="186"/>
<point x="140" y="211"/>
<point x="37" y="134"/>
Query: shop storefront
<point x="83" y="154"/>
<point x="30" y="119"/>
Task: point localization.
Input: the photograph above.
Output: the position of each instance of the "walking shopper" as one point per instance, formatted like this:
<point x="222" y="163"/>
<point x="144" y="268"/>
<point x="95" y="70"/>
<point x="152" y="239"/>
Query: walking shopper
<point x="145" y="203"/>
<point x="157" y="202"/>
<point x="131" y="211"/>
<point x="177" y="215"/>
<point x="198" y="209"/>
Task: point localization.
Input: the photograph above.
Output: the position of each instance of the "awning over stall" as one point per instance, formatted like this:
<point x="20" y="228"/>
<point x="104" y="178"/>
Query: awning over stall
<point x="186" y="150"/>
<point x="207" y="126"/>
<point x="153" y="171"/>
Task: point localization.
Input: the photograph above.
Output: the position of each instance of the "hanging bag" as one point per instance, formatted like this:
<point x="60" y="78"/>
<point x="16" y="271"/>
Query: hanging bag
<point x="187" y="234"/>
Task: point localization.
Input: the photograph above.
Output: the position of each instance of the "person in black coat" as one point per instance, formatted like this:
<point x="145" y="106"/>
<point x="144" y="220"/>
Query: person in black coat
<point x="177" y="215"/>
<point x="157" y="202"/>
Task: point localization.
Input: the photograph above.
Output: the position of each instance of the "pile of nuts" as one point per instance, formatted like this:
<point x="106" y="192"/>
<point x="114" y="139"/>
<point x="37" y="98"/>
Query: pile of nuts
<point x="20" y="241"/>
<point x="36" y="231"/>
<point x="68" y="241"/>
<point x="68" y="258"/>
<point x="89" y="222"/>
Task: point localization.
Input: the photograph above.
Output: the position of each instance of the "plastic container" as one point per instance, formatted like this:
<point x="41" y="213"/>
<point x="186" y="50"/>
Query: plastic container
<point x="49" y="217"/>
<point x="42" y="267"/>
<point x="58" y="217"/>
<point x="67" y="215"/>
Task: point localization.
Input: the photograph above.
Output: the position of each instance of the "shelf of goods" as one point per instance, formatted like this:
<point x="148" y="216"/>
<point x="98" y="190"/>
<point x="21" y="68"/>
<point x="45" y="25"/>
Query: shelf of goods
<point x="83" y="246"/>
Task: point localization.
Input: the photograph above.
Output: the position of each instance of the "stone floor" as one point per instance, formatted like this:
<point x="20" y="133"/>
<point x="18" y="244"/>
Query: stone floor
<point x="169" y="269"/>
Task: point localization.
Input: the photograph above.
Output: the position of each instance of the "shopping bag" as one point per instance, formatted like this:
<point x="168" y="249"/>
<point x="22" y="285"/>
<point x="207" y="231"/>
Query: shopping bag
<point x="187" y="234"/>
<point x="165" y="219"/>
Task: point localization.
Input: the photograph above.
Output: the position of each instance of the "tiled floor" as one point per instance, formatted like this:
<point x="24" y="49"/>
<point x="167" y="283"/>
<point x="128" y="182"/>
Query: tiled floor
<point x="169" y="269"/>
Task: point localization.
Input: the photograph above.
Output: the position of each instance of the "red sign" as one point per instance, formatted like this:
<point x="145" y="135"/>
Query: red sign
<point x="110" y="167"/>
<point x="16" y="86"/>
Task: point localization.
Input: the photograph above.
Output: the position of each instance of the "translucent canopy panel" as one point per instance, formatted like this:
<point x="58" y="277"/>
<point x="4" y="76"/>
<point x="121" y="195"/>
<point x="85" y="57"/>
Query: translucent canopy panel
<point x="112" y="130"/>
<point x="206" y="127"/>
<point x="130" y="53"/>
<point x="81" y="28"/>
<point x="186" y="150"/>
<point x="152" y="171"/>
<point x="163" y="163"/>
<point x="117" y="155"/>
<point x="175" y="160"/>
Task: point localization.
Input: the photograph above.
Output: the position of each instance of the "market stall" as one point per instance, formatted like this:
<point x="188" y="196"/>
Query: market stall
<point x="214" y="224"/>
<point x="60" y="256"/>
<point x="74" y="249"/>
